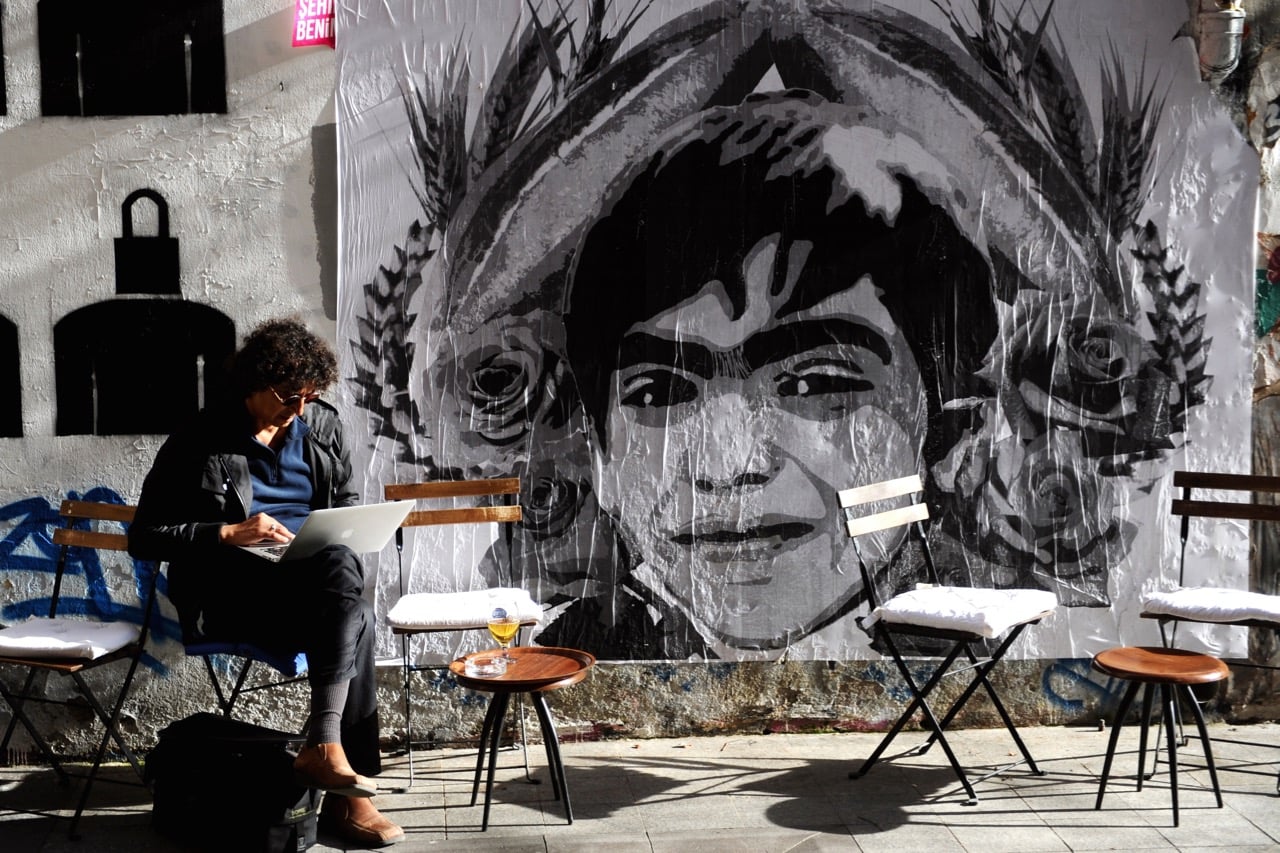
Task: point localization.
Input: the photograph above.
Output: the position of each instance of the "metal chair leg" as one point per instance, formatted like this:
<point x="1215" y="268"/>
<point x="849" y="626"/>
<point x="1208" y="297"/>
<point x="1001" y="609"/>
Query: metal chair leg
<point x="1147" y="694"/>
<point x="20" y="714"/>
<point x="524" y="742"/>
<point x="486" y="731"/>
<point x="980" y="679"/>
<point x="1116" y="725"/>
<point x="19" y="697"/>
<point x="408" y="707"/>
<point x="499" y="703"/>
<point x="1204" y="741"/>
<point x="551" y="738"/>
<point x="920" y="702"/>
<point x="1166" y="697"/>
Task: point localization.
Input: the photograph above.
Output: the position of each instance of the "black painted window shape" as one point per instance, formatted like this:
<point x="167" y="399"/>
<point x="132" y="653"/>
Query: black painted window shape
<point x="147" y="360"/>
<point x="132" y="57"/>
<point x="10" y="381"/>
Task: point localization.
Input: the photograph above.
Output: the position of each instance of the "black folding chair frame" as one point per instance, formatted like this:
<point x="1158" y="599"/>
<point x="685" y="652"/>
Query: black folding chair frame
<point x="492" y="490"/>
<point x="920" y="695"/>
<point x="961" y="643"/>
<point x="228" y="690"/>
<point x="1187" y="507"/>
<point x="110" y="720"/>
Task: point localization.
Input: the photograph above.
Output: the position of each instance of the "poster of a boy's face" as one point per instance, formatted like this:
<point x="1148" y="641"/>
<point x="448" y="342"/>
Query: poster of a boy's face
<point x="727" y="439"/>
<point x="763" y="368"/>
<point x="690" y="267"/>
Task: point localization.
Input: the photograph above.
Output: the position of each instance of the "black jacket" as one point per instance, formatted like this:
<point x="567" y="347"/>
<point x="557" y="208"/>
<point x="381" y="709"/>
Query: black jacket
<point x="200" y="481"/>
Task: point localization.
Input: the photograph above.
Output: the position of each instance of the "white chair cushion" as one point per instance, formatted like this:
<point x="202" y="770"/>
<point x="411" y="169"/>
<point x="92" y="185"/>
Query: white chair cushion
<point x="42" y="637"/>
<point x="1213" y="604"/>
<point x="987" y="612"/>
<point x="454" y="611"/>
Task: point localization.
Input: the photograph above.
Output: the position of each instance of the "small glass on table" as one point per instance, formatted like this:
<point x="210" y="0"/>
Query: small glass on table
<point x="504" y="626"/>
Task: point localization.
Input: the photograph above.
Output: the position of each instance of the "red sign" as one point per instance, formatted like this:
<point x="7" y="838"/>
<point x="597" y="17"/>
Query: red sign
<point x="313" y="23"/>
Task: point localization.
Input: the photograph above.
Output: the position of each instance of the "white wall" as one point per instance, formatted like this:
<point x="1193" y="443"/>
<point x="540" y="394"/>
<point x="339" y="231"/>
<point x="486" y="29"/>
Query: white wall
<point x="240" y="192"/>
<point x="239" y="188"/>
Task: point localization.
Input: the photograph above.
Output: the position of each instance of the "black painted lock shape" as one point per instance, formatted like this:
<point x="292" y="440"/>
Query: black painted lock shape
<point x="147" y="264"/>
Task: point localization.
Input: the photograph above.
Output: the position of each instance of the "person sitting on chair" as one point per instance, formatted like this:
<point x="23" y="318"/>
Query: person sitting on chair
<point x="250" y="469"/>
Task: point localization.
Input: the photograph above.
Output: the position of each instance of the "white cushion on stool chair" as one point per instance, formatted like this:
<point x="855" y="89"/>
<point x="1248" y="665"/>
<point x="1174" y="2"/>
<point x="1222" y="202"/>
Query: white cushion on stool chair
<point x="987" y="612"/>
<point x="1213" y="604"/>
<point x="446" y="611"/>
<point x="60" y="637"/>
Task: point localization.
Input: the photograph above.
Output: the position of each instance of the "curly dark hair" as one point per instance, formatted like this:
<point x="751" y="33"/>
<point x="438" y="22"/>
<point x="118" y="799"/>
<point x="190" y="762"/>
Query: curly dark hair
<point x="283" y="354"/>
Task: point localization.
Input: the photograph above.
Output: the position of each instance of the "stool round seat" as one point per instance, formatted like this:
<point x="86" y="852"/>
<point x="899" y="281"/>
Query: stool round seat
<point x="1154" y="665"/>
<point x="1172" y="673"/>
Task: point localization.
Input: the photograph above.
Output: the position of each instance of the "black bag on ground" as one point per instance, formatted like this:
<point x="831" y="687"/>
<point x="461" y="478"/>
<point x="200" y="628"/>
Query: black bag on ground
<point x="221" y="784"/>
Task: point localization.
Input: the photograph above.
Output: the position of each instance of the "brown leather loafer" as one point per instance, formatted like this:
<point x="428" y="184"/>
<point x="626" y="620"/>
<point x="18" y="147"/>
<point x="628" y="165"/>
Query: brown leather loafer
<point x="324" y="766"/>
<point x="379" y="831"/>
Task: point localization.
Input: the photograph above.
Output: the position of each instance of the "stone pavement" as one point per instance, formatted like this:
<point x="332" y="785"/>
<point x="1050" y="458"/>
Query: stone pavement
<point x="774" y="792"/>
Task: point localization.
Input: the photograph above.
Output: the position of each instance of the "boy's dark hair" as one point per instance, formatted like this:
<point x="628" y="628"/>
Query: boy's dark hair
<point x="699" y="205"/>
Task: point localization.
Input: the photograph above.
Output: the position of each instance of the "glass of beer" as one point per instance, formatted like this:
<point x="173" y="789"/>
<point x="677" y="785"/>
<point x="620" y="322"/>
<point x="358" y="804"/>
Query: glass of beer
<point x="504" y="626"/>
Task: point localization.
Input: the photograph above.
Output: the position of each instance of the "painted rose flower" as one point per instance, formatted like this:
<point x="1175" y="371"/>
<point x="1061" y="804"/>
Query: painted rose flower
<point x="1069" y="366"/>
<point x="501" y="381"/>
<point x="553" y="501"/>
<point x="1042" y="512"/>
<point x="565" y="550"/>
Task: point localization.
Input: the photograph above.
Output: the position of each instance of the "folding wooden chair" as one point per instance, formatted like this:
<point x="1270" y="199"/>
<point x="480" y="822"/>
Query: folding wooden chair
<point x="68" y="646"/>
<point x="1217" y="605"/>
<point x="965" y="617"/>
<point x="423" y="612"/>
<point x="228" y="687"/>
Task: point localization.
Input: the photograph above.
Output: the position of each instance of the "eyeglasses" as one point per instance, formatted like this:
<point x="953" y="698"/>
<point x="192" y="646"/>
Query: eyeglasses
<point x="294" y="400"/>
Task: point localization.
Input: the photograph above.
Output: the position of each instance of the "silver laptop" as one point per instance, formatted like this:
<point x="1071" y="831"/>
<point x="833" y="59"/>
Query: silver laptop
<point x="363" y="528"/>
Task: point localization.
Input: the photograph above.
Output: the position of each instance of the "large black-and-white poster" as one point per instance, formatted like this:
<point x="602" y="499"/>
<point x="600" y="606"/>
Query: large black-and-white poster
<point x="689" y="268"/>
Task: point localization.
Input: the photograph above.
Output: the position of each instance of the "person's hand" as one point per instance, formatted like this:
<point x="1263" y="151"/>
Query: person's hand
<point x="255" y="530"/>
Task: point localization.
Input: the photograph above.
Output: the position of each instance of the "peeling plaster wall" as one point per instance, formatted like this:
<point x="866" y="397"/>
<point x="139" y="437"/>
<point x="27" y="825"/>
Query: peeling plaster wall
<point x="252" y="202"/>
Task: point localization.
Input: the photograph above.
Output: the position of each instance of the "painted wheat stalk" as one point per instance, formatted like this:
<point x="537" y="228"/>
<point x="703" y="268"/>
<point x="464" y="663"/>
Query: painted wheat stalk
<point x="437" y="124"/>
<point x="1114" y="174"/>
<point x="382" y="349"/>
<point x="1179" y="328"/>
<point x="509" y="95"/>
<point x="1130" y="116"/>
<point x="447" y="168"/>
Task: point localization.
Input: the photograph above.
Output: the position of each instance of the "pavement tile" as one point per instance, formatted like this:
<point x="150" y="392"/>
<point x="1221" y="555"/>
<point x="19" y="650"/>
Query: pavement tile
<point x="735" y="840"/>
<point x="1106" y="835"/>
<point x="1209" y="827"/>
<point x="905" y="837"/>
<point x="758" y="793"/>
<point x="1008" y="838"/>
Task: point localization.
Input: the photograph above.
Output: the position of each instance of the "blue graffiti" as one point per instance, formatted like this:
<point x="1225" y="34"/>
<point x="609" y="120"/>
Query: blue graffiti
<point x="29" y="547"/>
<point x="667" y="672"/>
<point x="441" y="680"/>
<point x="891" y="680"/>
<point x="721" y="671"/>
<point x="664" y="672"/>
<point x="1068" y="684"/>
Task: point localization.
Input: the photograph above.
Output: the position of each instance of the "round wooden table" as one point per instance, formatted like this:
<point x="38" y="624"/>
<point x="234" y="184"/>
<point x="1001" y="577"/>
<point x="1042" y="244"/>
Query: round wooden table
<point x="534" y="671"/>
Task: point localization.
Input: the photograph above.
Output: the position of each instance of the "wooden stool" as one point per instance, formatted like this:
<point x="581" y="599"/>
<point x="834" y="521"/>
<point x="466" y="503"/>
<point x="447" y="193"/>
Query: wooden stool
<point x="1174" y="670"/>
<point x="533" y="671"/>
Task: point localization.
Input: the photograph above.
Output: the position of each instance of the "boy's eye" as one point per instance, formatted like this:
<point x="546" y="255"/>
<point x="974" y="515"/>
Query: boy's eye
<point x="824" y="376"/>
<point x="657" y="388"/>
